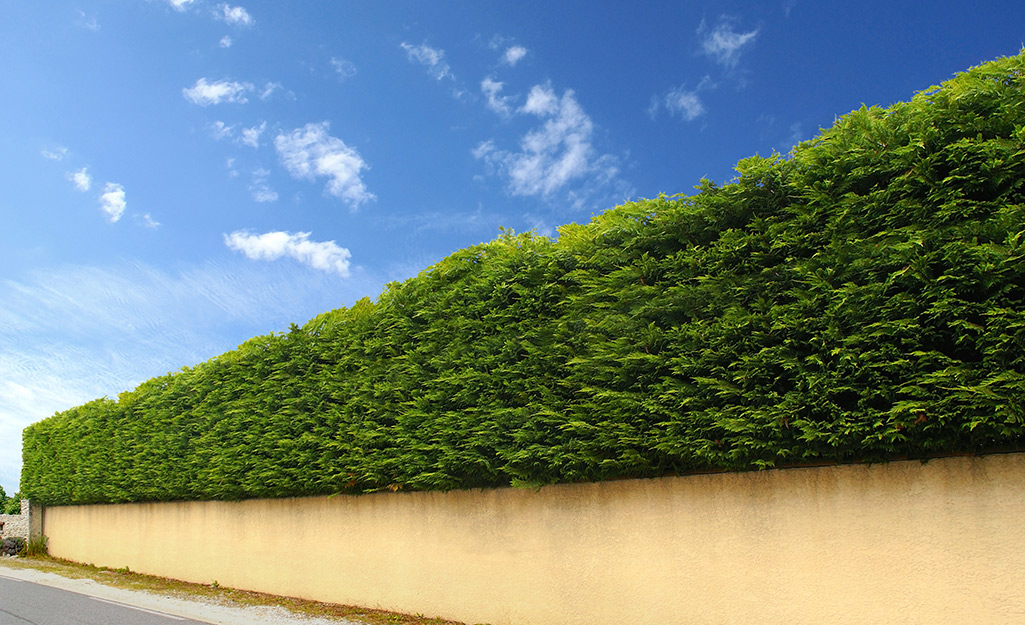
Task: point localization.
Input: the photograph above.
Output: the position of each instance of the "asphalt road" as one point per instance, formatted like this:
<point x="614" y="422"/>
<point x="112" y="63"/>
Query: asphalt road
<point x="27" y="603"/>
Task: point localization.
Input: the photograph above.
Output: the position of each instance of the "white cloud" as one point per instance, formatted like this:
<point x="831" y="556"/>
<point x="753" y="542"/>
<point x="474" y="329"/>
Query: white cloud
<point x="149" y="222"/>
<point x="112" y="201"/>
<point x="269" y="89"/>
<point x="225" y="42"/>
<point x="496" y="103"/>
<point x="554" y="154"/>
<point x="260" y="189"/>
<point x="513" y="55"/>
<point x="237" y="16"/>
<point x="542" y="101"/>
<point x="205" y="93"/>
<point x="310" y="152"/>
<point x="344" y="69"/>
<point x="684" y="103"/>
<point x="220" y="130"/>
<point x="54" y="155"/>
<point x="81" y="179"/>
<point x="431" y="58"/>
<point x="323" y="256"/>
<point x="251" y="136"/>
<point x="180" y="5"/>
<point x="723" y="43"/>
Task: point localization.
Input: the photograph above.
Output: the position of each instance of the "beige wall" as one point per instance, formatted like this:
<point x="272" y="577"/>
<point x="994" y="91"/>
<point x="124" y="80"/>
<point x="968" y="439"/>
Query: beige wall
<point x="905" y="542"/>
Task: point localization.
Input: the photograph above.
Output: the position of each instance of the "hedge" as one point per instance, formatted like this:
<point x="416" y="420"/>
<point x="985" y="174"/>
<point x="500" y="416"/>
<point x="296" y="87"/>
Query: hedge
<point x="860" y="299"/>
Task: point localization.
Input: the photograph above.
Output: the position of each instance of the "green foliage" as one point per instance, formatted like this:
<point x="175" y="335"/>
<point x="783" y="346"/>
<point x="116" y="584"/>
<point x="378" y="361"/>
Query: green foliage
<point x="860" y="299"/>
<point x="10" y="505"/>
<point x="36" y="547"/>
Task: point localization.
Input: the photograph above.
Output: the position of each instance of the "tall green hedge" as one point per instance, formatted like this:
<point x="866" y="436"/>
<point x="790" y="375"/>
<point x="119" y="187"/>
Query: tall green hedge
<point x="861" y="299"/>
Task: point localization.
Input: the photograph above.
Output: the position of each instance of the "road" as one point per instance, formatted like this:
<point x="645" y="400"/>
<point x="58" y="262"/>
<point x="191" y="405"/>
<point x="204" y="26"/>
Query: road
<point x="28" y="603"/>
<point x="31" y="597"/>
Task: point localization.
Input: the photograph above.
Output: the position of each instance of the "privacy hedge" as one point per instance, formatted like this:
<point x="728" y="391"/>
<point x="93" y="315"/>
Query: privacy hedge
<point x="861" y="299"/>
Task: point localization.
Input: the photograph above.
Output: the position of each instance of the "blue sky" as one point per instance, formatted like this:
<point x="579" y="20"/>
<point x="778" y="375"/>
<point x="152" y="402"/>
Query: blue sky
<point x="181" y="175"/>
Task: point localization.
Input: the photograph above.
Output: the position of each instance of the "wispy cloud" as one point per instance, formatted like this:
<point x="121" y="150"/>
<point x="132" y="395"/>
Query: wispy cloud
<point x="56" y="154"/>
<point x="206" y="93"/>
<point x="236" y="16"/>
<point x="513" y="54"/>
<point x="88" y="22"/>
<point x="345" y="69"/>
<point x="723" y="43"/>
<point x="553" y="155"/>
<point x="682" y="102"/>
<point x="149" y="222"/>
<point x="431" y="58"/>
<point x="112" y="201"/>
<point x="491" y="88"/>
<point x="260" y="188"/>
<point x="180" y="5"/>
<point x="225" y="42"/>
<point x="270" y="89"/>
<point x="219" y="130"/>
<point x="310" y="152"/>
<point x="322" y="255"/>
<point x="796" y="136"/>
<point x="251" y="136"/>
<point x="81" y="179"/>
<point x="71" y="334"/>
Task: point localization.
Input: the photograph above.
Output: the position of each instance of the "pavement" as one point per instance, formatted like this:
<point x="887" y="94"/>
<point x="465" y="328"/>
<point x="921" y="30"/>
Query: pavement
<point x="195" y="609"/>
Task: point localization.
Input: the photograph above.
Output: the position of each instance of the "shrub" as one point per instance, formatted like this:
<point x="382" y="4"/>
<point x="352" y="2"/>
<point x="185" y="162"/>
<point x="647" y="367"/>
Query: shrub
<point x="12" y="546"/>
<point x="861" y="299"/>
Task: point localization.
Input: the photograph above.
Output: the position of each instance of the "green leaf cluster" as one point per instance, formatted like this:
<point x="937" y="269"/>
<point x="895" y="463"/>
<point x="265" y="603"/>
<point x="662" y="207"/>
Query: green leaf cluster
<point x="860" y="299"/>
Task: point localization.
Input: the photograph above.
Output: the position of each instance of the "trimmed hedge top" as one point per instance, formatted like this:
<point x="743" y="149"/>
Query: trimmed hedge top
<point x="862" y="299"/>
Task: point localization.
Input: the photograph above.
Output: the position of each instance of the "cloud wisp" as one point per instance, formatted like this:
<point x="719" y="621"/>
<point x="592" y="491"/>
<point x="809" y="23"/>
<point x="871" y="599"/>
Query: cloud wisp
<point x="57" y="154"/>
<point x="722" y="43"/>
<point x="206" y="93"/>
<point x="112" y="201"/>
<point x="431" y="58"/>
<point x="320" y="255"/>
<point x="553" y="155"/>
<point x="682" y="102"/>
<point x="81" y="179"/>
<point x="260" y="188"/>
<point x="75" y="333"/>
<point x="236" y="16"/>
<point x="343" y="68"/>
<point x="499" y="104"/>
<point x="310" y="152"/>
<point x="251" y="136"/>
<point x="513" y="55"/>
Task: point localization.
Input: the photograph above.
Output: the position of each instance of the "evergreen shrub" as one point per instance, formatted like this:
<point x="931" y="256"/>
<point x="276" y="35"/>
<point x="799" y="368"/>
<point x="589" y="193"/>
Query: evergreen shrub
<point x="860" y="299"/>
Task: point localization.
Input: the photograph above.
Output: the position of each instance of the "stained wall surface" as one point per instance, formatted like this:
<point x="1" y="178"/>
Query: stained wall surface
<point x="904" y="542"/>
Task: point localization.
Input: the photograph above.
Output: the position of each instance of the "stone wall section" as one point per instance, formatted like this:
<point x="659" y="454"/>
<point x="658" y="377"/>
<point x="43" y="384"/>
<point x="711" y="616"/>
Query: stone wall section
<point x="16" y="525"/>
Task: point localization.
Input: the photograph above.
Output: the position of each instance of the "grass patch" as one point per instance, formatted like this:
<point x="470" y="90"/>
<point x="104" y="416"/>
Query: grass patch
<point x="215" y="593"/>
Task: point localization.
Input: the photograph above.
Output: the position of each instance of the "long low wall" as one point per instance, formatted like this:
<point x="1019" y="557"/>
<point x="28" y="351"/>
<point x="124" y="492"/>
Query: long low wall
<point x="904" y="542"/>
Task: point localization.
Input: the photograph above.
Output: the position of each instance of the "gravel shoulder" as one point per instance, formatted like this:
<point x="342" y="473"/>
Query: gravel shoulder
<point x="220" y="606"/>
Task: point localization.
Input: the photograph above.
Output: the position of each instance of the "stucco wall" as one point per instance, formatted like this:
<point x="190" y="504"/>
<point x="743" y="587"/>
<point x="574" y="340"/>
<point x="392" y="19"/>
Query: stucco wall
<point x="905" y="542"/>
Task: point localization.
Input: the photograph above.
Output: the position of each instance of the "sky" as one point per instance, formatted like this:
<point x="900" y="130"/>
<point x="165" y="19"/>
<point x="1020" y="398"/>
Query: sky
<point x="178" y="176"/>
